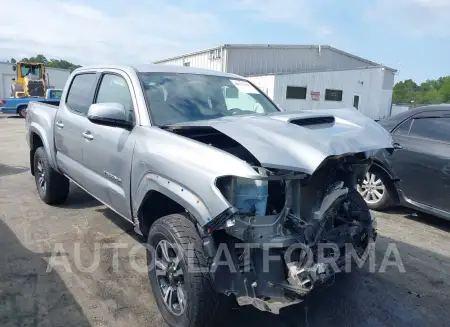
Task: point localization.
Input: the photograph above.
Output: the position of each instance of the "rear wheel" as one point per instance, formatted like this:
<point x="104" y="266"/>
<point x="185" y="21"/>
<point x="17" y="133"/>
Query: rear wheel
<point x="53" y="188"/>
<point x="377" y="190"/>
<point x="22" y="111"/>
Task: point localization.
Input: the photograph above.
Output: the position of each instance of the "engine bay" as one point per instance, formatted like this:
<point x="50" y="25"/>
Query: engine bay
<point x="303" y="223"/>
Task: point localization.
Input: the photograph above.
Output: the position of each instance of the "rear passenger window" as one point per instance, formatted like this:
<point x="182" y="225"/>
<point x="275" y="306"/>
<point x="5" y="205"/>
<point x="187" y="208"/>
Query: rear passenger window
<point x="80" y="94"/>
<point x="437" y="129"/>
<point x="404" y="127"/>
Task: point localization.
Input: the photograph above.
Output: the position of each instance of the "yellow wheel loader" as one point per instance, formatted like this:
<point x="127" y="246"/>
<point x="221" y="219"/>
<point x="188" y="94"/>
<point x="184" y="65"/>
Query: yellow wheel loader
<point x="30" y="80"/>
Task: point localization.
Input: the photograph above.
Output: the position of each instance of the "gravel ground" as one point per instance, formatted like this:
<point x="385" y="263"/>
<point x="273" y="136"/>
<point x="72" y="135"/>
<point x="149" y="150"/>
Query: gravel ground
<point x="116" y="294"/>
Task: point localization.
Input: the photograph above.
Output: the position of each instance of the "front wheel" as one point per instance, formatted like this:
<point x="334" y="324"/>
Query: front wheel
<point x="377" y="190"/>
<point x="178" y="274"/>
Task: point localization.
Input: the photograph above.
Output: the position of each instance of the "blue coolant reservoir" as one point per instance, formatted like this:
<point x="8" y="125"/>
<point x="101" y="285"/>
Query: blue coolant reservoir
<point x="251" y="195"/>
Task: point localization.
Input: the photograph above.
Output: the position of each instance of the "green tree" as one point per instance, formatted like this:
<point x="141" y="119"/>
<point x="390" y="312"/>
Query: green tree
<point x="39" y="58"/>
<point x="445" y="89"/>
<point x="53" y="63"/>
<point x="404" y="91"/>
<point x="428" y="92"/>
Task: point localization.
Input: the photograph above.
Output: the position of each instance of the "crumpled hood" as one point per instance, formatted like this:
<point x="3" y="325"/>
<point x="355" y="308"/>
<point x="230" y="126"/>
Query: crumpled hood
<point x="277" y="141"/>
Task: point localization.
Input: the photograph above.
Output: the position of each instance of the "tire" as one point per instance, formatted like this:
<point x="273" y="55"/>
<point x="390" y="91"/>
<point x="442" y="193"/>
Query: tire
<point x="52" y="187"/>
<point x="22" y="111"/>
<point x="377" y="183"/>
<point x="201" y="301"/>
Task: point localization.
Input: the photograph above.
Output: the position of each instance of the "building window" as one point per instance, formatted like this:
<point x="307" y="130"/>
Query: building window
<point x="296" y="92"/>
<point x="333" y="95"/>
<point x="187" y="64"/>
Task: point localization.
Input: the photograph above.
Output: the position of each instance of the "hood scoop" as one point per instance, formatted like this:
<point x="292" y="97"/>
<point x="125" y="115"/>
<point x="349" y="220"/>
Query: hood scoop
<point x="308" y="121"/>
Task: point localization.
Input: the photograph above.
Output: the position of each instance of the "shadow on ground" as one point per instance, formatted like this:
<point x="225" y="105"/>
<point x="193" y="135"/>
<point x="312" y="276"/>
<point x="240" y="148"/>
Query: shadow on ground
<point x="79" y="199"/>
<point x="29" y="296"/>
<point x="120" y="222"/>
<point x="9" y="116"/>
<point x="6" y="170"/>
<point x="421" y="217"/>
<point x="419" y="297"/>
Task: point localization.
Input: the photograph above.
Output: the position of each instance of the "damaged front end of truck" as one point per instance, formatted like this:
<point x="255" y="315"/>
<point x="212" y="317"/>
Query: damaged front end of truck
<point x="289" y="226"/>
<point x="288" y="232"/>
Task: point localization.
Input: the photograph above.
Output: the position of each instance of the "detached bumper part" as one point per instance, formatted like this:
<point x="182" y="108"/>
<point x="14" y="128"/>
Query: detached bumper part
<point x="273" y="306"/>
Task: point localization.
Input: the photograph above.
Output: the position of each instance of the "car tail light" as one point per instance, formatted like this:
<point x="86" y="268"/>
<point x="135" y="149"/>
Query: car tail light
<point x="3" y="101"/>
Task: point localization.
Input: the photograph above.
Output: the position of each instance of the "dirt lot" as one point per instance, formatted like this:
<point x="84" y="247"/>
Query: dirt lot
<point x="116" y="294"/>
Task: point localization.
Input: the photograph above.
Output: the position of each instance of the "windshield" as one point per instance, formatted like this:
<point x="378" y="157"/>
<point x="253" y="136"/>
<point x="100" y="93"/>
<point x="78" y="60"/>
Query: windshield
<point x="55" y="94"/>
<point x="31" y="69"/>
<point x="176" y="98"/>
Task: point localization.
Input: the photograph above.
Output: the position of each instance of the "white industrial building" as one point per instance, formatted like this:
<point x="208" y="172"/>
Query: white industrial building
<point x="303" y="76"/>
<point x="57" y="78"/>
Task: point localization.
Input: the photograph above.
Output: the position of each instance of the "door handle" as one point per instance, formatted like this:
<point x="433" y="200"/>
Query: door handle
<point x="60" y="124"/>
<point x="88" y="136"/>
<point x="397" y="146"/>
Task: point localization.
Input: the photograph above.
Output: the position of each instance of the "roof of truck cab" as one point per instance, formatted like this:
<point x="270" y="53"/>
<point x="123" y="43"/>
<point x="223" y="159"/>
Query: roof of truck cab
<point x="155" y="68"/>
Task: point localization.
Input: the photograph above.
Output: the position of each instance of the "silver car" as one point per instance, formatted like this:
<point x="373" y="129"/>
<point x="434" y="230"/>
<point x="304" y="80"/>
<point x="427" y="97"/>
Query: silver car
<point x="237" y="199"/>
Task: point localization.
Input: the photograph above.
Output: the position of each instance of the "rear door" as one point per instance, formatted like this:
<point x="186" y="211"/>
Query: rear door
<point x="70" y="123"/>
<point x="108" y="151"/>
<point x="423" y="165"/>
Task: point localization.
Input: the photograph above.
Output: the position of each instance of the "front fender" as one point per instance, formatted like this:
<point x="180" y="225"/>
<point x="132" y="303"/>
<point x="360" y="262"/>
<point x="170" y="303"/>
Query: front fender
<point x="178" y="193"/>
<point x="381" y="161"/>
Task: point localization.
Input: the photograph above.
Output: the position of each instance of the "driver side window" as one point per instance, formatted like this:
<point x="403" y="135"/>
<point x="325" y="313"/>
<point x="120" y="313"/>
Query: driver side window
<point x="114" y="88"/>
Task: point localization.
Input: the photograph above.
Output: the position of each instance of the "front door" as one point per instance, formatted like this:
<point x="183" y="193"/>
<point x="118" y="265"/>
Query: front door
<point x="108" y="152"/>
<point x="423" y="163"/>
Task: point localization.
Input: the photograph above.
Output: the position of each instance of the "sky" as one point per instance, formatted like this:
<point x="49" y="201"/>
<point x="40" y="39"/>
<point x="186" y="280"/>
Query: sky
<point x="412" y="36"/>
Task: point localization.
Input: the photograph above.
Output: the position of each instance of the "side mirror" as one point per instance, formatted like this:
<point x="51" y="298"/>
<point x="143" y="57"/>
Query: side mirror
<point x="14" y="67"/>
<point x="109" y="114"/>
<point x="397" y="146"/>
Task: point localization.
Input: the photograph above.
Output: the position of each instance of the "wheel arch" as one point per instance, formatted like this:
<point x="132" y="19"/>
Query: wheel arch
<point x="158" y="196"/>
<point x="378" y="166"/>
<point x="36" y="140"/>
<point x="35" y="143"/>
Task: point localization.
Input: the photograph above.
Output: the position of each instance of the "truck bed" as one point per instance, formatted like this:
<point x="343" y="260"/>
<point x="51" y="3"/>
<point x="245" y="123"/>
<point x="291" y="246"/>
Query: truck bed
<point x="40" y="122"/>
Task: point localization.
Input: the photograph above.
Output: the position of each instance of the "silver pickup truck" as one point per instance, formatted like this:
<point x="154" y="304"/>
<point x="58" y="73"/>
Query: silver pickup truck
<point x="216" y="177"/>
